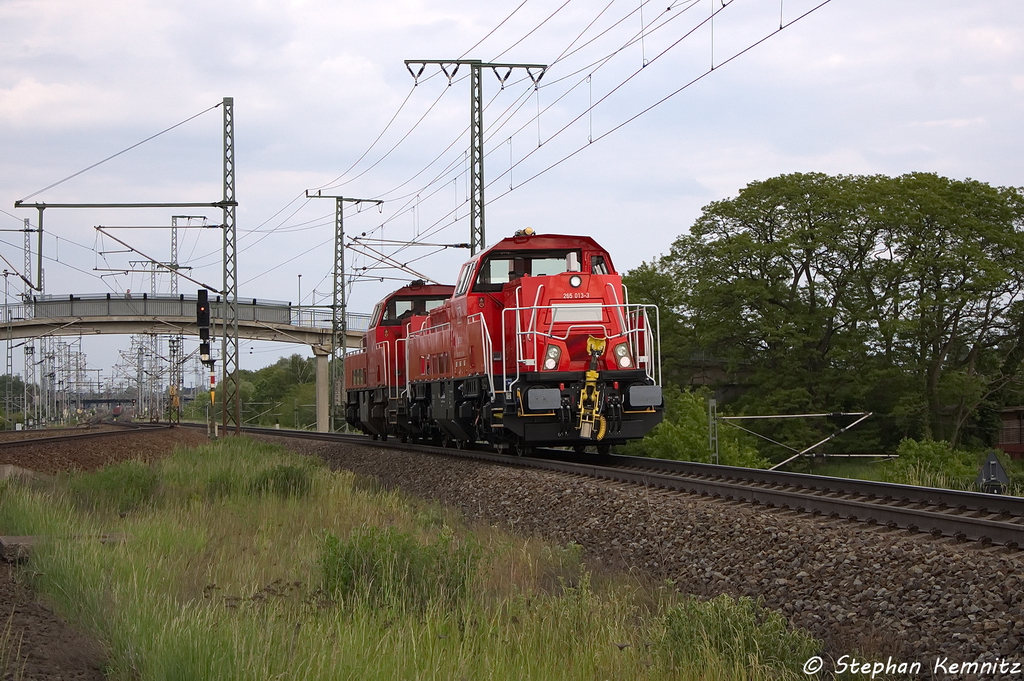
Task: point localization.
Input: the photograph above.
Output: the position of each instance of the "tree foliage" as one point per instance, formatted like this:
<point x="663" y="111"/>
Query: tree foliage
<point x="284" y="393"/>
<point x="683" y="434"/>
<point x="817" y="293"/>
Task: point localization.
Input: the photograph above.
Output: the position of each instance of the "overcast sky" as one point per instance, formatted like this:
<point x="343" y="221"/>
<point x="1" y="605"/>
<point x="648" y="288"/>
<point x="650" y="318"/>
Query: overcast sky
<point x="322" y="99"/>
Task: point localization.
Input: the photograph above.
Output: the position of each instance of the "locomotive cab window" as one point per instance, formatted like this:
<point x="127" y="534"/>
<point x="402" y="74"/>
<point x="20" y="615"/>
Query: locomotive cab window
<point x="501" y="268"/>
<point x="598" y="265"/>
<point x="465" y="276"/>
<point x="400" y="309"/>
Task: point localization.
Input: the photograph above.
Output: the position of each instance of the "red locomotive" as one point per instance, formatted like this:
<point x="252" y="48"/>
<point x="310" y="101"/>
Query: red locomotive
<point x="536" y="345"/>
<point x="375" y="378"/>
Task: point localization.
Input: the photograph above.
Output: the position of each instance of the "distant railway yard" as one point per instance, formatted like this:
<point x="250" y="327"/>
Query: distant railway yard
<point x="861" y="585"/>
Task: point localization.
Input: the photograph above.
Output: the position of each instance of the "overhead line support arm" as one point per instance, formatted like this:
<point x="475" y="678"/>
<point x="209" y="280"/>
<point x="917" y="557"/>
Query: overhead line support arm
<point x="336" y="370"/>
<point x="477" y="237"/>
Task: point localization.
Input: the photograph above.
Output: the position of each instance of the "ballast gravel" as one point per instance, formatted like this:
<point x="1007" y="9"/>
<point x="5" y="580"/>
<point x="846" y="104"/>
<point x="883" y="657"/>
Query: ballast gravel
<point x="860" y="589"/>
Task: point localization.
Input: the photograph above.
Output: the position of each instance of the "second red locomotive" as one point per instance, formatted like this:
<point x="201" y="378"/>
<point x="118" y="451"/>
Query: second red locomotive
<point x="536" y="344"/>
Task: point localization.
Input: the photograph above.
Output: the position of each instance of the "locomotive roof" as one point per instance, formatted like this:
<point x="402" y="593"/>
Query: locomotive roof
<point x="426" y="290"/>
<point x="545" y="242"/>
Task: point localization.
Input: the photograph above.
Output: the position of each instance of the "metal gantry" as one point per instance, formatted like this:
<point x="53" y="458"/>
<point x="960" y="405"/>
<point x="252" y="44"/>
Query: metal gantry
<point x="338" y="304"/>
<point x="231" y="403"/>
<point x="477" y="238"/>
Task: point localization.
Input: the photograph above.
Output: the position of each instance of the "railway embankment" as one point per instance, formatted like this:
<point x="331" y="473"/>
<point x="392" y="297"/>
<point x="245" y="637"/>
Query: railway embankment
<point x="863" y="590"/>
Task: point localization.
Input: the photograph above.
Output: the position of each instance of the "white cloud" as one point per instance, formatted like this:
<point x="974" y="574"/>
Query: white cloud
<point x="951" y="123"/>
<point x="30" y="104"/>
<point x="857" y="87"/>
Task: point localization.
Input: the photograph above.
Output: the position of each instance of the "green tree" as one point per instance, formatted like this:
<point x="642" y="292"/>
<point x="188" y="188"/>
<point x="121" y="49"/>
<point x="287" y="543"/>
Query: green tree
<point x="12" y="391"/>
<point x="274" y="389"/>
<point x="683" y="434"/>
<point x="823" y="293"/>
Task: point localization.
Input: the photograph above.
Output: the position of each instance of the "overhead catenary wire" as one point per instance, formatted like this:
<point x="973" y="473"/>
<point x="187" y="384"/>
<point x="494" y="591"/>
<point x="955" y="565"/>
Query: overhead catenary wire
<point x="337" y="182"/>
<point x="666" y="97"/>
<point x="493" y="30"/>
<point x="444" y="174"/>
<point x="265" y="234"/>
<point x="334" y="183"/>
<point x="442" y="179"/>
<point x="531" y="31"/>
<point x="498" y="128"/>
<point x="123" y="151"/>
<point x="442" y="222"/>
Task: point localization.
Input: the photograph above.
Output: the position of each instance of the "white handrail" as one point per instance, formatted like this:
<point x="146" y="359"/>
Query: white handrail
<point x="637" y="333"/>
<point x="643" y="337"/>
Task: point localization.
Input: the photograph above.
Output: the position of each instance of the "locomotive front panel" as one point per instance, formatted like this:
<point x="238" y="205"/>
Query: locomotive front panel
<point x="573" y="362"/>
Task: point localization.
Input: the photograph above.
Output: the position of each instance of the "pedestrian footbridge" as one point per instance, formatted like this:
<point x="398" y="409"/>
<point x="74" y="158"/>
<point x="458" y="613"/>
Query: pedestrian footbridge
<point x="87" y="315"/>
<point x="266" y="320"/>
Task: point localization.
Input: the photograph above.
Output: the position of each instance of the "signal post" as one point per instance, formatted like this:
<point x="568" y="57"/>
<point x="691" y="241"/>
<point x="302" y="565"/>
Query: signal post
<point x="203" y="323"/>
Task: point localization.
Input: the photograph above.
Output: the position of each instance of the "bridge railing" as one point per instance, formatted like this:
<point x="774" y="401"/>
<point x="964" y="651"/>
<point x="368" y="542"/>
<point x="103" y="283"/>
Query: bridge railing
<point x="109" y="305"/>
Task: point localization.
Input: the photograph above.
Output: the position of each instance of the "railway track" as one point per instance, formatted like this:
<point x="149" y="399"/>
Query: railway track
<point x="990" y="519"/>
<point x="69" y="434"/>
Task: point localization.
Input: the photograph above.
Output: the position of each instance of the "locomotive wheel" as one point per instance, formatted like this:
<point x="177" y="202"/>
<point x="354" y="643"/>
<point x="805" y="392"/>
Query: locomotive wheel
<point x="579" y="449"/>
<point x="374" y="436"/>
<point x="604" y="449"/>
<point x="523" y="449"/>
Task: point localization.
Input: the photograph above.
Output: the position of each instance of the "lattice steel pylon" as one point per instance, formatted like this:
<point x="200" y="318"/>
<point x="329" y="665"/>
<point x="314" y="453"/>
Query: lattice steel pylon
<point x="338" y="306"/>
<point x="31" y="389"/>
<point x="231" y="408"/>
<point x="174" y="346"/>
<point x="477" y="239"/>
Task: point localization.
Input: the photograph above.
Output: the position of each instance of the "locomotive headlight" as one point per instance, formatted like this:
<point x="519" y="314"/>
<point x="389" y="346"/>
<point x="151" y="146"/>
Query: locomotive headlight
<point x="575" y="281"/>
<point x="622" y="355"/>
<point x="551" y="357"/>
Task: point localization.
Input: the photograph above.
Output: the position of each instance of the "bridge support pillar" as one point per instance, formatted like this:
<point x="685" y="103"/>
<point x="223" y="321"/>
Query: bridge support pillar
<point x="323" y="388"/>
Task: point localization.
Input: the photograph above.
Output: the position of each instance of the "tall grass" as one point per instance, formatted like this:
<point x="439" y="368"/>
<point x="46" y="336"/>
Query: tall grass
<point x="908" y="474"/>
<point x="12" y="663"/>
<point x="243" y="562"/>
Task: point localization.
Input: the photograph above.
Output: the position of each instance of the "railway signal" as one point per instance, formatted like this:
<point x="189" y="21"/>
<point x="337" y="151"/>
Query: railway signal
<point x="203" y="311"/>
<point x="203" y="322"/>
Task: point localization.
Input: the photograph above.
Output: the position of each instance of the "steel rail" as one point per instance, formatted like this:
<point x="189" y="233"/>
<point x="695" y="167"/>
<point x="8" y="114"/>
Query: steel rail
<point x="84" y="434"/>
<point x="937" y="523"/>
<point x="961" y="500"/>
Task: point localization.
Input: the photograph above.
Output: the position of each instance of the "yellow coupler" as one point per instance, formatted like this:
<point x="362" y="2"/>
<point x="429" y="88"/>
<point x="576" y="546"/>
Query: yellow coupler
<point x="591" y="424"/>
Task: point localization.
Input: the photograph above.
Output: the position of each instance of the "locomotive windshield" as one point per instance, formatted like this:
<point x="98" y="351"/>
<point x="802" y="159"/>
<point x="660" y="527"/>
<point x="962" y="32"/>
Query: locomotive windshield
<point x="502" y="267"/>
<point x="399" y="309"/>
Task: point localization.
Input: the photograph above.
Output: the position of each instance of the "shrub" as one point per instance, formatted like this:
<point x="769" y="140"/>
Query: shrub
<point x="932" y="462"/>
<point x="383" y="567"/>
<point x="284" y="480"/>
<point x="740" y="633"/>
<point x="683" y="434"/>
<point x="121" y="487"/>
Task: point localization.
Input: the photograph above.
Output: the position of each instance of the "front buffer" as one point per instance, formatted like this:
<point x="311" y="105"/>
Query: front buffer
<point x="579" y="408"/>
